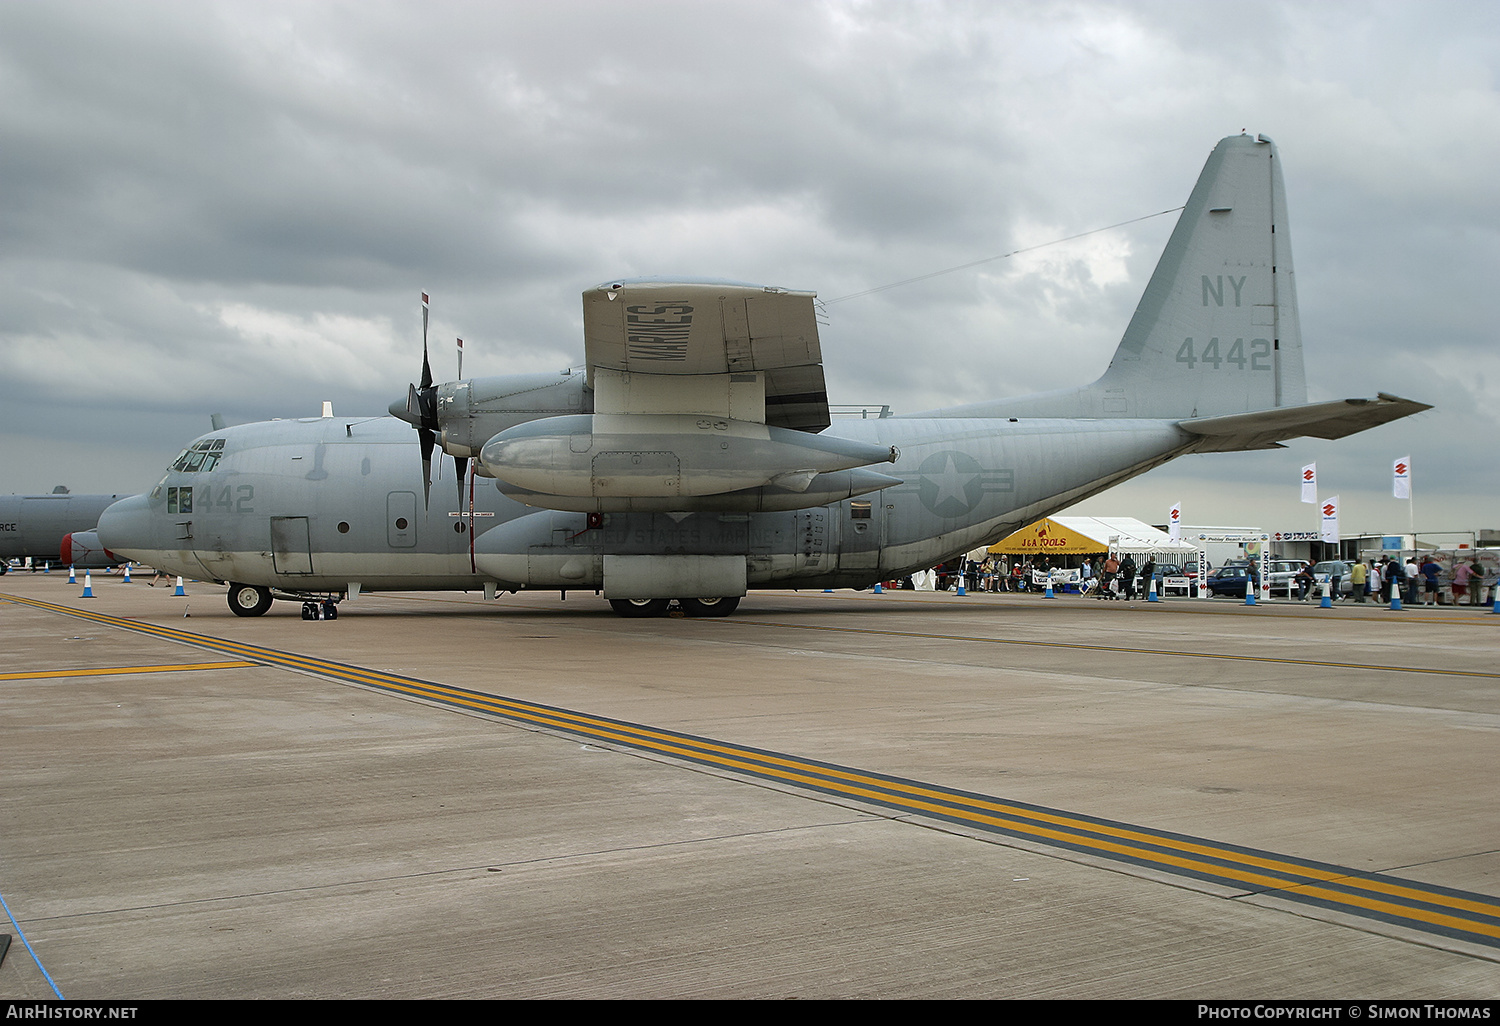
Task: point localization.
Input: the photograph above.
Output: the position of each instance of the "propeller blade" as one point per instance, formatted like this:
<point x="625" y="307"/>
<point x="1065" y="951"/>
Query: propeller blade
<point x="428" y="439"/>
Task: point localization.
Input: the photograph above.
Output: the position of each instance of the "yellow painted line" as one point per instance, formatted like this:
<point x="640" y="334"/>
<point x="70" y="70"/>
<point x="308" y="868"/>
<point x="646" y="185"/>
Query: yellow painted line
<point x="1319" y="884"/>
<point x="107" y="671"/>
<point x="1076" y="646"/>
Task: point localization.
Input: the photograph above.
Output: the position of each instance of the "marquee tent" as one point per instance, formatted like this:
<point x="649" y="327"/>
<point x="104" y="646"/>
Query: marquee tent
<point x="1088" y="535"/>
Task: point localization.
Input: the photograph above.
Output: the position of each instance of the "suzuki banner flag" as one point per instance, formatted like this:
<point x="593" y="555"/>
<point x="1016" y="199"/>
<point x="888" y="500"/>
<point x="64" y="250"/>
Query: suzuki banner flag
<point x="1310" y="483"/>
<point x="1174" y="522"/>
<point x="1401" y="478"/>
<point x="1331" y="521"/>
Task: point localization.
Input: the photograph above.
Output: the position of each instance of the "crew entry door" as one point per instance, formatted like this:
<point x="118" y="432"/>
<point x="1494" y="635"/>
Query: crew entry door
<point x="291" y="548"/>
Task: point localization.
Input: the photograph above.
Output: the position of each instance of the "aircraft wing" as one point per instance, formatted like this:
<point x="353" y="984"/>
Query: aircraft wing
<point x="1268" y="428"/>
<point x="750" y="352"/>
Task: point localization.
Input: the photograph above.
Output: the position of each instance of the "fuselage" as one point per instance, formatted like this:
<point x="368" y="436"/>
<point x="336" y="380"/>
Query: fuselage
<point x="320" y="505"/>
<point x="35" y="525"/>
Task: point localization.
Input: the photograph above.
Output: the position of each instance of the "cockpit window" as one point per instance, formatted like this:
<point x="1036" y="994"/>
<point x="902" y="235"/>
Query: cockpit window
<point x="201" y="457"/>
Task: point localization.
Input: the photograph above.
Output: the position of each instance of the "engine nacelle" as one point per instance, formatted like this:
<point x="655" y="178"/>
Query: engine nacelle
<point x="472" y="411"/>
<point x="822" y="490"/>
<point x="642" y="456"/>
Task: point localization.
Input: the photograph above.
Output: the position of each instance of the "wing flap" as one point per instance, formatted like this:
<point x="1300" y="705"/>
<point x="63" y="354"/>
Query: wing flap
<point x="706" y="328"/>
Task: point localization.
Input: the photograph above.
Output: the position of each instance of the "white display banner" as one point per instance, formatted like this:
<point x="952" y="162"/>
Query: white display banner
<point x="1401" y="478"/>
<point x="1331" y="520"/>
<point x="1174" y="522"/>
<point x="1310" y="483"/>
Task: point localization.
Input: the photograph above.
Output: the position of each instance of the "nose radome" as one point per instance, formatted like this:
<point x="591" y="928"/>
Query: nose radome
<point x="125" y="527"/>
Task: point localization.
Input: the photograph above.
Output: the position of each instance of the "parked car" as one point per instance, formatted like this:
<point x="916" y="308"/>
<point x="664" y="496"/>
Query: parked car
<point x="1334" y="568"/>
<point x="1282" y="575"/>
<point x="1230" y="579"/>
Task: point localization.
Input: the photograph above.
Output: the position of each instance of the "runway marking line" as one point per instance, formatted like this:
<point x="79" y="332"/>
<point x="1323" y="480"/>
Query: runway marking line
<point x="110" y="671"/>
<point x="1462" y="915"/>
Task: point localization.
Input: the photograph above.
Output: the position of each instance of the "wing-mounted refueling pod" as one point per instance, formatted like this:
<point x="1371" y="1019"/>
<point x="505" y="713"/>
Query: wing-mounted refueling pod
<point x="706" y="395"/>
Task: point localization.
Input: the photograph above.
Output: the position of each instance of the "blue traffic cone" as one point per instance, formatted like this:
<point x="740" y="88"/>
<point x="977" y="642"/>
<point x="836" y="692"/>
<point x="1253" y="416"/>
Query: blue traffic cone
<point x="46" y="567"/>
<point x="1250" y="594"/>
<point x="179" y="590"/>
<point x="1151" y="595"/>
<point x="127" y="573"/>
<point x="961" y="590"/>
<point x="1396" y="598"/>
<point x="878" y="589"/>
<point x="1048" y="592"/>
<point x="72" y="577"/>
<point x="88" y="585"/>
<point x="1327" y="600"/>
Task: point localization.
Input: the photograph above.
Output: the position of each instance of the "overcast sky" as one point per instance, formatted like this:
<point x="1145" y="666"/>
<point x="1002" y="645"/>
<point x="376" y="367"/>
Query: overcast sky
<point x="232" y="207"/>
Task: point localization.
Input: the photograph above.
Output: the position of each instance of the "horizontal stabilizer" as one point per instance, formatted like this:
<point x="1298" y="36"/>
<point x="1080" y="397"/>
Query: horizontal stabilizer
<point x="1265" y="429"/>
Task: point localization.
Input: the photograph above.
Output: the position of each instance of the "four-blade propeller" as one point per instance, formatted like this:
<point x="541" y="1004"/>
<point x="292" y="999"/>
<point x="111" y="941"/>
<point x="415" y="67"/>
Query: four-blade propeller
<point x="420" y="411"/>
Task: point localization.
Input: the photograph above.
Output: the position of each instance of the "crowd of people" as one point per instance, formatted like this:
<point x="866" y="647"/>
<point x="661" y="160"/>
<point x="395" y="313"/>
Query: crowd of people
<point x="1118" y="576"/>
<point x="1103" y="576"/>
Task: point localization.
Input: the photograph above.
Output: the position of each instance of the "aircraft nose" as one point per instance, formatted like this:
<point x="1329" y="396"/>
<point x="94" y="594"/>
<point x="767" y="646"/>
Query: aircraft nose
<point x="125" y="527"/>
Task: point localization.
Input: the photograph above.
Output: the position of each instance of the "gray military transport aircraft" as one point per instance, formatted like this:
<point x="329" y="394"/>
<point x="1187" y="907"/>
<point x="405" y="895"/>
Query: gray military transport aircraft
<point x="41" y="527"/>
<point x="695" y="458"/>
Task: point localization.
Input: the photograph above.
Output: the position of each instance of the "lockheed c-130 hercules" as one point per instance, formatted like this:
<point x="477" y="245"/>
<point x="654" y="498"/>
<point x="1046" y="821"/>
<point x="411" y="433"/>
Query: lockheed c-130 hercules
<point x="695" y="459"/>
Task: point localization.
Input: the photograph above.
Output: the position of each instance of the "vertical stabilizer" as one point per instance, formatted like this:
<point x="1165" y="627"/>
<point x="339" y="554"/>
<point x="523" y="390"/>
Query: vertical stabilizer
<point x="1216" y="331"/>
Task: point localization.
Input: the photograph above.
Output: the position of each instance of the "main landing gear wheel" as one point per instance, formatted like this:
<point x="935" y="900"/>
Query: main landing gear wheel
<point x="709" y="606"/>
<point x="249" y="600"/>
<point x="636" y="608"/>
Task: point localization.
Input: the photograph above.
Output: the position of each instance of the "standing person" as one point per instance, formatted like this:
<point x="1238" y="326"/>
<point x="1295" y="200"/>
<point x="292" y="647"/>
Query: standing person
<point x="1147" y="573"/>
<point x="1127" y="576"/>
<point x="1305" y="582"/>
<point x="1411" y="577"/>
<point x="1430" y="572"/>
<point x="1358" y="574"/>
<point x="1461" y="575"/>
<point x="1107" y="579"/>
<point x="1476" y="582"/>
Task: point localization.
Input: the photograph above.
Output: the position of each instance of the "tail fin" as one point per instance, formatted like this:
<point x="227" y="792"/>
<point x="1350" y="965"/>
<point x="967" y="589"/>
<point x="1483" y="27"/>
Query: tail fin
<point x="1216" y="331"/>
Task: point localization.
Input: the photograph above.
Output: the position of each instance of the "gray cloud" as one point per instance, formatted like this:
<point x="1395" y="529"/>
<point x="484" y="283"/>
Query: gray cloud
<point x="232" y="206"/>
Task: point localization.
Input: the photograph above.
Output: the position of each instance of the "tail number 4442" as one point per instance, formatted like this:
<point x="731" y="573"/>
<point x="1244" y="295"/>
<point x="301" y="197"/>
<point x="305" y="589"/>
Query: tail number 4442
<point x="1259" y="358"/>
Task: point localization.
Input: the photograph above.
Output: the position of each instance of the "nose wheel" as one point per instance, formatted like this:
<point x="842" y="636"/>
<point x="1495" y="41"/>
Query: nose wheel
<point x="249" y="599"/>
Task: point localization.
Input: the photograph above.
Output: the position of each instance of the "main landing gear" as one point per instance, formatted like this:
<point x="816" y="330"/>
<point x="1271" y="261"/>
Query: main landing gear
<point x="637" y="608"/>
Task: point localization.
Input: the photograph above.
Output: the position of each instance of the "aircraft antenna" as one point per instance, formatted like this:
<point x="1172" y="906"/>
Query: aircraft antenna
<point x="1000" y="256"/>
